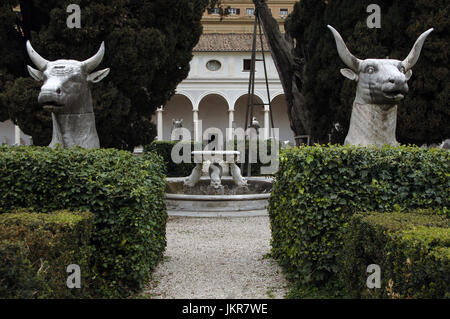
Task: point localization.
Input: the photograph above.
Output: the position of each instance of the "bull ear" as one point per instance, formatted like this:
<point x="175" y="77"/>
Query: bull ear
<point x="349" y="74"/>
<point x="408" y="75"/>
<point x="98" y="76"/>
<point x="35" y="74"/>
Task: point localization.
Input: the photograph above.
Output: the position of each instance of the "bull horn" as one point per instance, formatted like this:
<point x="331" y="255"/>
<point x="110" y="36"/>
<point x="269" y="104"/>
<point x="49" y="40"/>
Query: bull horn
<point x="91" y="63"/>
<point x="349" y="59"/>
<point x="39" y="61"/>
<point x="413" y="56"/>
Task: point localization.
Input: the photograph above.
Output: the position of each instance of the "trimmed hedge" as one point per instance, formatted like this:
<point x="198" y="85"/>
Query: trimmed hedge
<point x="164" y="148"/>
<point x="35" y="250"/>
<point x="411" y="248"/>
<point x="126" y="194"/>
<point x="318" y="189"/>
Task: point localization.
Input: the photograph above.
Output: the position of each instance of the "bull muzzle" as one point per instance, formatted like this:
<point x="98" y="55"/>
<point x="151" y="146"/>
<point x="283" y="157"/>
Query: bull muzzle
<point x="395" y="91"/>
<point x="51" y="100"/>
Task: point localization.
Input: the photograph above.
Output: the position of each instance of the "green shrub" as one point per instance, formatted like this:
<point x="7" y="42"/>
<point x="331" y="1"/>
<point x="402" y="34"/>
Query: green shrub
<point x="35" y="250"/>
<point x="126" y="193"/>
<point x="411" y="248"/>
<point x="164" y="148"/>
<point x="318" y="189"/>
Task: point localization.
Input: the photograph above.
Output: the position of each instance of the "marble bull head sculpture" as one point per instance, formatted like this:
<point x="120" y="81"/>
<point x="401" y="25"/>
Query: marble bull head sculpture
<point x="381" y="84"/>
<point x="66" y="94"/>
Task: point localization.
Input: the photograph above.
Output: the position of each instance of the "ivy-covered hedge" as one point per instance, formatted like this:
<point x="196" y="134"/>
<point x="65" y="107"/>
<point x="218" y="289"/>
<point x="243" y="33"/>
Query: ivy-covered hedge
<point x="126" y="194"/>
<point x="411" y="248"/>
<point x="164" y="148"/>
<point x="35" y="250"/>
<point x="318" y="189"/>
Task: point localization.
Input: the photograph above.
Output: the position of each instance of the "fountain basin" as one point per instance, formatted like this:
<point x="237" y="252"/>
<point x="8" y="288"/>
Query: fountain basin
<point x="229" y="201"/>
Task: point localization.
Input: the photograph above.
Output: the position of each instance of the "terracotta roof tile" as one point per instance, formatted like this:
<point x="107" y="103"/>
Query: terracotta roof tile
<point x="228" y="42"/>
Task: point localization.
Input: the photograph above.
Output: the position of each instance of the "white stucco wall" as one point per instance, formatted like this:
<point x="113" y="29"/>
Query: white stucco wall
<point x="8" y="134"/>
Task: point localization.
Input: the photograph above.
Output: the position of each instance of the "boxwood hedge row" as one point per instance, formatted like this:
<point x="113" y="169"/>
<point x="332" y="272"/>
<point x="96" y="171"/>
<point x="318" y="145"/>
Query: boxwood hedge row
<point x="412" y="249"/>
<point x="125" y="193"/>
<point x="35" y="250"/>
<point x="318" y="189"/>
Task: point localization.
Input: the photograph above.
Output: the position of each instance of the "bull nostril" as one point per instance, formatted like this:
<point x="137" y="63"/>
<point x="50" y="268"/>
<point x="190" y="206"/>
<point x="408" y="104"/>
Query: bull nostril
<point x="392" y="81"/>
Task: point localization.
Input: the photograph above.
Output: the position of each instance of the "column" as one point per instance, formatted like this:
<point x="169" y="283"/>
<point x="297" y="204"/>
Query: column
<point x="197" y="133"/>
<point x="266" y="124"/>
<point x="230" y="123"/>
<point x="159" y="123"/>
<point x="16" y="135"/>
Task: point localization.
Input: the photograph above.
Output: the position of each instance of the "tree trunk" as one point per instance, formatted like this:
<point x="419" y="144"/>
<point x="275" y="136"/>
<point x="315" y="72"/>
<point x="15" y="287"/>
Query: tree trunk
<point x="289" y="69"/>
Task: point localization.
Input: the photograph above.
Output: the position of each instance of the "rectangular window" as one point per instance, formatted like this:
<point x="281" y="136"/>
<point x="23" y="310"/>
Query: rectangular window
<point x="249" y="11"/>
<point x="234" y="11"/>
<point x="247" y="65"/>
<point x="214" y="11"/>
<point x="284" y="13"/>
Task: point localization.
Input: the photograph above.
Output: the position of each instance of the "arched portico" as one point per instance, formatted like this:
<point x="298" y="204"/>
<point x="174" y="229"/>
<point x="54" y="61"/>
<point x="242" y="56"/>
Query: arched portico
<point x="240" y="108"/>
<point x="281" y="118"/>
<point x="178" y="107"/>
<point x="213" y="112"/>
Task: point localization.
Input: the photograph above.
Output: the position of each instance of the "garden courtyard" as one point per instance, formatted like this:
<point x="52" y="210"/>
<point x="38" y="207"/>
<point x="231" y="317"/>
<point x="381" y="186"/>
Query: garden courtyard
<point x="345" y="195"/>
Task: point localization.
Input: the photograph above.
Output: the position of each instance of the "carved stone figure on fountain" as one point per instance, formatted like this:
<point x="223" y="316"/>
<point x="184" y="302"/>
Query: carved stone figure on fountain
<point x="215" y="168"/>
<point x="176" y="124"/>
<point x="215" y="173"/>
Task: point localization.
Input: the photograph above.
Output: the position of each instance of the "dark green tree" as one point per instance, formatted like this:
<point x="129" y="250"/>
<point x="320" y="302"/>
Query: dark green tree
<point x="327" y="98"/>
<point x="11" y="55"/>
<point x="148" y="48"/>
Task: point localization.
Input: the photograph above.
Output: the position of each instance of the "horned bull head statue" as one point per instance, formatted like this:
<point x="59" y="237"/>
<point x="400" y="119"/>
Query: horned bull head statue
<point x="66" y="94"/>
<point x="381" y="84"/>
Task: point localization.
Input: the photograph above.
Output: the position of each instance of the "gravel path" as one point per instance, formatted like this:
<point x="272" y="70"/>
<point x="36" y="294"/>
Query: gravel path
<point x="217" y="258"/>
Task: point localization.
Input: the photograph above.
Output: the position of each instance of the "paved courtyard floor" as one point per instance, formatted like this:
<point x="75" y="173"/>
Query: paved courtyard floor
<point x="217" y="258"/>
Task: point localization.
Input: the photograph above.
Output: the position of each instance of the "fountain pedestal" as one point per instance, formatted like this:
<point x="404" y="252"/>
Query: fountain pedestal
<point x="215" y="171"/>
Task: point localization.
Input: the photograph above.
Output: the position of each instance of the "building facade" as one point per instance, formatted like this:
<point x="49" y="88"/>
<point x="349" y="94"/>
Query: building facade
<point x="240" y="16"/>
<point x="216" y="89"/>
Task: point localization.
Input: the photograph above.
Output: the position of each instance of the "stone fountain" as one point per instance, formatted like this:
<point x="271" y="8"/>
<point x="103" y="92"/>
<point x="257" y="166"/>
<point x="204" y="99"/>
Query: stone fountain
<point x="216" y="188"/>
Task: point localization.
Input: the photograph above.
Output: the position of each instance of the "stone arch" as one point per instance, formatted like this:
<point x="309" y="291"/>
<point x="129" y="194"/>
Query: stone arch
<point x="240" y="107"/>
<point x="281" y="118"/>
<point x="207" y="93"/>
<point x="276" y="94"/>
<point x="213" y="111"/>
<point x="179" y="106"/>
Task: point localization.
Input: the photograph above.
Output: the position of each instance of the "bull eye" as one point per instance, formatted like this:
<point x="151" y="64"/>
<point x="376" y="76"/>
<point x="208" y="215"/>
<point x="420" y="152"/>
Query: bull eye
<point x="370" y="69"/>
